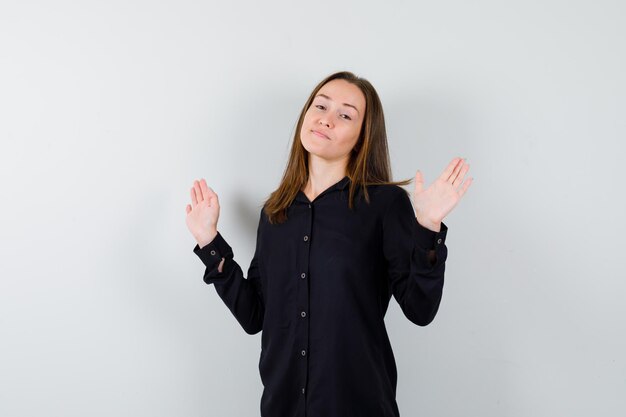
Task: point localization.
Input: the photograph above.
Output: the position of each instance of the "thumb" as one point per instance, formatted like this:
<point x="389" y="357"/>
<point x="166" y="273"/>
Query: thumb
<point x="419" y="182"/>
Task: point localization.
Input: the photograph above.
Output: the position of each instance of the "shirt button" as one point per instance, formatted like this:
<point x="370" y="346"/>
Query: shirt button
<point x="303" y="352"/>
<point x="438" y="240"/>
<point x="303" y="390"/>
<point x="303" y="314"/>
<point x="306" y="238"/>
<point x="302" y="275"/>
<point x="212" y="252"/>
<point x="309" y="206"/>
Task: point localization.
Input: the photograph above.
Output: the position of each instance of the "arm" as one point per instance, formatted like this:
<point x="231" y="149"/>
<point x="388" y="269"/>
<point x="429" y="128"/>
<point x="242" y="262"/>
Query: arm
<point x="243" y="297"/>
<point x="432" y="257"/>
<point x="415" y="257"/>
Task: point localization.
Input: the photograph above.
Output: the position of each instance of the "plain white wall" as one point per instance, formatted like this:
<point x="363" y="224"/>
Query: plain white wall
<point x="110" y="110"/>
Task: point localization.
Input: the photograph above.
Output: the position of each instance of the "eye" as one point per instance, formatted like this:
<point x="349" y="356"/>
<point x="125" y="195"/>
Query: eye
<point x="319" y="106"/>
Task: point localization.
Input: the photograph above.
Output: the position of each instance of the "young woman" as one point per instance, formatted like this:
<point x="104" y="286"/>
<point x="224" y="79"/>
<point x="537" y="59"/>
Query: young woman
<point x="335" y="240"/>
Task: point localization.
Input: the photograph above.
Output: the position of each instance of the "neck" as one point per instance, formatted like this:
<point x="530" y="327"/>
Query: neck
<point x="323" y="174"/>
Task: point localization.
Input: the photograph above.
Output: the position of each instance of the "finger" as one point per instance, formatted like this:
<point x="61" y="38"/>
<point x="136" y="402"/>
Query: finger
<point x="194" y="200"/>
<point x="419" y="182"/>
<point x="461" y="175"/>
<point x="199" y="195"/>
<point x="207" y="192"/>
<point x="465" y="186"/>
<point x="214" y="199"/>
<point x="445" y="176"/>
<point x="203" y="189"/>
<point x="455" y="173"/>
<point x="188" y="209"/>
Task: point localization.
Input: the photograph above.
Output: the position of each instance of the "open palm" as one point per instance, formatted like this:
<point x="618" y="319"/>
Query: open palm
<point x="203" y="212"/>
<point x="433" y="204"/>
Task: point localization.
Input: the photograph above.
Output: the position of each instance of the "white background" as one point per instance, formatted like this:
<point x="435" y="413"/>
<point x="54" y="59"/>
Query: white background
<point x="110" y="110"/>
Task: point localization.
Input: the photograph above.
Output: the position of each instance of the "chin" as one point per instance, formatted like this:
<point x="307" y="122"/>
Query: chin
<point x="309" y="143"/>
<point x="316" y="145"/>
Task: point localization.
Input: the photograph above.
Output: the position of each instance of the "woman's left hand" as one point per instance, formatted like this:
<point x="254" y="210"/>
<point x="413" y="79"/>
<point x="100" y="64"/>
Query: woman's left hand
<point x="435" y="202"/>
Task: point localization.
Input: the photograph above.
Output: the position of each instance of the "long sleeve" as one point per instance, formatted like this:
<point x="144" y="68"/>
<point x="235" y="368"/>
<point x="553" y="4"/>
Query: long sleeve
<point x="242" y="296"/>
<point x="416" y="283"/>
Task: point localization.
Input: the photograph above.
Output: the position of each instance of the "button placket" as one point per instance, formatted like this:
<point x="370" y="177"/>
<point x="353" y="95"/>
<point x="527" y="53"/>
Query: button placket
<point x="302" y="326"/>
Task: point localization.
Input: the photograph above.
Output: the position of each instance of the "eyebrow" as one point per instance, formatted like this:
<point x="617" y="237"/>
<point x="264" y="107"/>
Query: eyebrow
<point x="345" y="104"/>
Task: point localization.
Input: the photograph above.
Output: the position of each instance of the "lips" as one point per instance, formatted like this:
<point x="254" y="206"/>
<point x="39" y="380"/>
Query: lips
<point x="320" y="134"/>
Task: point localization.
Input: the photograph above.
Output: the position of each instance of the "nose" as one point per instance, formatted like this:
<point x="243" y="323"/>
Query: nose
<point x="324" y="122"/>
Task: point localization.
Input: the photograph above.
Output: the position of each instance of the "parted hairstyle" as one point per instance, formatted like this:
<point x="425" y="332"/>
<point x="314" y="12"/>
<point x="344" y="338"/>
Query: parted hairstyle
<point x="369" y="159"/>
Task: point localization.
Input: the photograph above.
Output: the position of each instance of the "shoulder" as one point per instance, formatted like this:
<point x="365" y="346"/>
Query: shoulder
<point x="262" y="215"/>
<point x="386" y="192"/>
<point x="387" y="197"/>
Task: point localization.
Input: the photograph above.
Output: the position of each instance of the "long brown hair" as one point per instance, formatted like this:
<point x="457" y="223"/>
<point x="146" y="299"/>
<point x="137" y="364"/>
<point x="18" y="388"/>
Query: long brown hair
<point x="369" y="159"/>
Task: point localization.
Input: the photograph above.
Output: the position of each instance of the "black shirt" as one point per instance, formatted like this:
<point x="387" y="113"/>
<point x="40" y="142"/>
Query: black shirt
<point x="318" y="287"/>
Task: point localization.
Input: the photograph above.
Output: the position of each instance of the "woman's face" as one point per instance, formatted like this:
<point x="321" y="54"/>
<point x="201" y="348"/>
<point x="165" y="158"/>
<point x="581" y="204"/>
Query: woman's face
<point x="332" y="123"/>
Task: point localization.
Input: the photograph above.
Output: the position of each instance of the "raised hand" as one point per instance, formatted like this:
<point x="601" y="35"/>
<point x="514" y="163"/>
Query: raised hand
<point x="435" y="202"/>
<point x="203" y="213"/>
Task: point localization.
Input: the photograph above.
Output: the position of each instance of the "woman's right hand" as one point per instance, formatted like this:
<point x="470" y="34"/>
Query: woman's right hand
<point x="203" y="213"/>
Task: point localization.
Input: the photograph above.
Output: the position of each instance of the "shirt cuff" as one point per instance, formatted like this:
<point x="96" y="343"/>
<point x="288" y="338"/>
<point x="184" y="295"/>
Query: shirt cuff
<point x="428" y="239"/>
<point x="211" y="255"/>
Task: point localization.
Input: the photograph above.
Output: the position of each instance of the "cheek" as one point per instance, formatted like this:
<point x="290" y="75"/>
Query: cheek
<point x="349" y="137"/>
<point x="306" y="122"/>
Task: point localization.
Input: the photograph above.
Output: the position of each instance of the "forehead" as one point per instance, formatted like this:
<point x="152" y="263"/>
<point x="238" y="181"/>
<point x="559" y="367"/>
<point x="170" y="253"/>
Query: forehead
<point x="341" y="91"/>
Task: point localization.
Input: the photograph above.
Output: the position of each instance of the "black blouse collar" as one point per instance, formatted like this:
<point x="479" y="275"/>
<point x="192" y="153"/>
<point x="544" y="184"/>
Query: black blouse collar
<point x="340" y="185"/>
